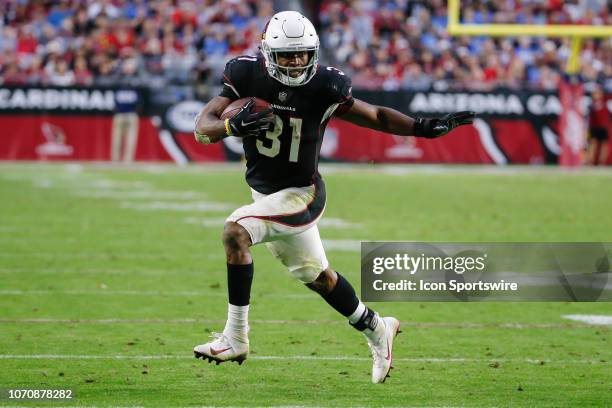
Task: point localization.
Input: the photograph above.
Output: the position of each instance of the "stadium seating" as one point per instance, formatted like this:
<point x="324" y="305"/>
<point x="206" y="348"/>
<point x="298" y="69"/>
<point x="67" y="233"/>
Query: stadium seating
<point x="384" y="44"/>
<point x="107" y="42"/>
<point x="404" y="44"/>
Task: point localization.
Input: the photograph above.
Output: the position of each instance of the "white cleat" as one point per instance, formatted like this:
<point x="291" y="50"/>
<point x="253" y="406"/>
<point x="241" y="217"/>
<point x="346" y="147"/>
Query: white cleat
<point x="222" y="349"/>
<point x="382" y="352"/>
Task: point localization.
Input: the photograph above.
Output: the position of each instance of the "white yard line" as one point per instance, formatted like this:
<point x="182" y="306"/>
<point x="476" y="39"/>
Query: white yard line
<point x="433" y="325"/>
<point x="54" y="406"/>
<point x="52" y="271"/>
<point x="324" y="222"/>
<point x="108" y="184"/>
<point x="598" y="320"/>
<point x="137" y="192"/>
<point x="196" y="206"/>
<point x="291" y="358"/>
<point x="342" y="245"/>
<point x="142" y="194"/>
<point x="101" y="271"/>
<point x="161" y="321"/>
<point x="217" y="406"/>
<point x="104" y="292"/>
<point x="106" y="255"/>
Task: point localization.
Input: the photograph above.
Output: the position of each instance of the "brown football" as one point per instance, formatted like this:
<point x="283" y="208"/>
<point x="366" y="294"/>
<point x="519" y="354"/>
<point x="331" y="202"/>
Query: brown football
<point x="233" y="108"/>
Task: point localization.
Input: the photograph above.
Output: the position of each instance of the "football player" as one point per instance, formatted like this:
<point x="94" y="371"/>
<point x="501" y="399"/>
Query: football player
<point x="282" y="155"/>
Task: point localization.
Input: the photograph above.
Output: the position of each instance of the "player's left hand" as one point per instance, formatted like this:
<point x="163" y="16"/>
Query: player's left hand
<point x="436" y="127"/>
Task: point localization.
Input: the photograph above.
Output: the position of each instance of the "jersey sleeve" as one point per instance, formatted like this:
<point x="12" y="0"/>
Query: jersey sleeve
<point x="235" y="78"/>
<point x="341" y="92"/>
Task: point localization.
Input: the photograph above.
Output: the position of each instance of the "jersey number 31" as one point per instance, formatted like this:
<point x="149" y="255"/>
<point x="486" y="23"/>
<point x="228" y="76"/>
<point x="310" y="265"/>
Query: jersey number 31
<point x="274" y="134"/>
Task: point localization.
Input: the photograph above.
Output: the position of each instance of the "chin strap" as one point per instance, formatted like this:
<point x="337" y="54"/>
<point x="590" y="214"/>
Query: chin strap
<point x="301" y="79"/>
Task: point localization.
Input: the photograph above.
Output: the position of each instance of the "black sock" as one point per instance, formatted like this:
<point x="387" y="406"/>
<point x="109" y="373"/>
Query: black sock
<point x="239" y="279"/>
<point x="342" y="297"/>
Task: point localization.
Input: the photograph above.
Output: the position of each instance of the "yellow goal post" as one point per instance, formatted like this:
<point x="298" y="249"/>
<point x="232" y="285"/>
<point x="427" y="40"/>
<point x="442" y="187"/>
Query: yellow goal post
<point x="576" y="32"/>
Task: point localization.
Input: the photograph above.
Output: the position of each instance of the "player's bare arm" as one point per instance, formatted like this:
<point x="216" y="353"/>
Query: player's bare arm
<point x="389" y="120"/>
<point x="210" y="128"/>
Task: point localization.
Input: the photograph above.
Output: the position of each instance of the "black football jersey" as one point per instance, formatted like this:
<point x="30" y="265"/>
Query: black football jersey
<point x="288" y="155"/>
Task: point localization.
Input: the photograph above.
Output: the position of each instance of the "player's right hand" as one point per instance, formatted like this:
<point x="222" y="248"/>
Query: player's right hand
<point x="246" y="123"/>
<point x="436" y="127"/>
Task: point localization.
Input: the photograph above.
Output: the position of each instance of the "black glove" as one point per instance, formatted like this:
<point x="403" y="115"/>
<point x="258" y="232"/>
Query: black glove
<point x="436" y="127"/>
<point x="245" y="123"/>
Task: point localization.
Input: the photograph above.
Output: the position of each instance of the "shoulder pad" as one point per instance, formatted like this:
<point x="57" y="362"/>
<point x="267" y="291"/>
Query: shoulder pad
<point x="238" y="70"/>
<point x="337" y="83"/>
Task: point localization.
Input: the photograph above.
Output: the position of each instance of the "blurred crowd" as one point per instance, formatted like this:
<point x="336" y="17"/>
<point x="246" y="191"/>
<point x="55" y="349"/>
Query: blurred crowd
<point x="384" y="44"/>
<point x="135" y="42"/>
<point x="402" y="44"/>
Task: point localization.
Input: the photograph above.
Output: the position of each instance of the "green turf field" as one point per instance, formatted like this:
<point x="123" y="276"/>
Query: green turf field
<point x="109" y="276"/>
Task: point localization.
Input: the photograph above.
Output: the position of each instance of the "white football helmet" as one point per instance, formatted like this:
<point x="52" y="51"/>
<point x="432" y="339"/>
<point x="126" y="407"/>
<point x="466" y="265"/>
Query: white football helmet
<point x="290" y="31"/>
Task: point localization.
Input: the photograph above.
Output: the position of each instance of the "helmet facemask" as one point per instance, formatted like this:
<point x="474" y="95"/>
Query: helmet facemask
<point x="283" y="73"/>
<point x="290" y="32"/>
